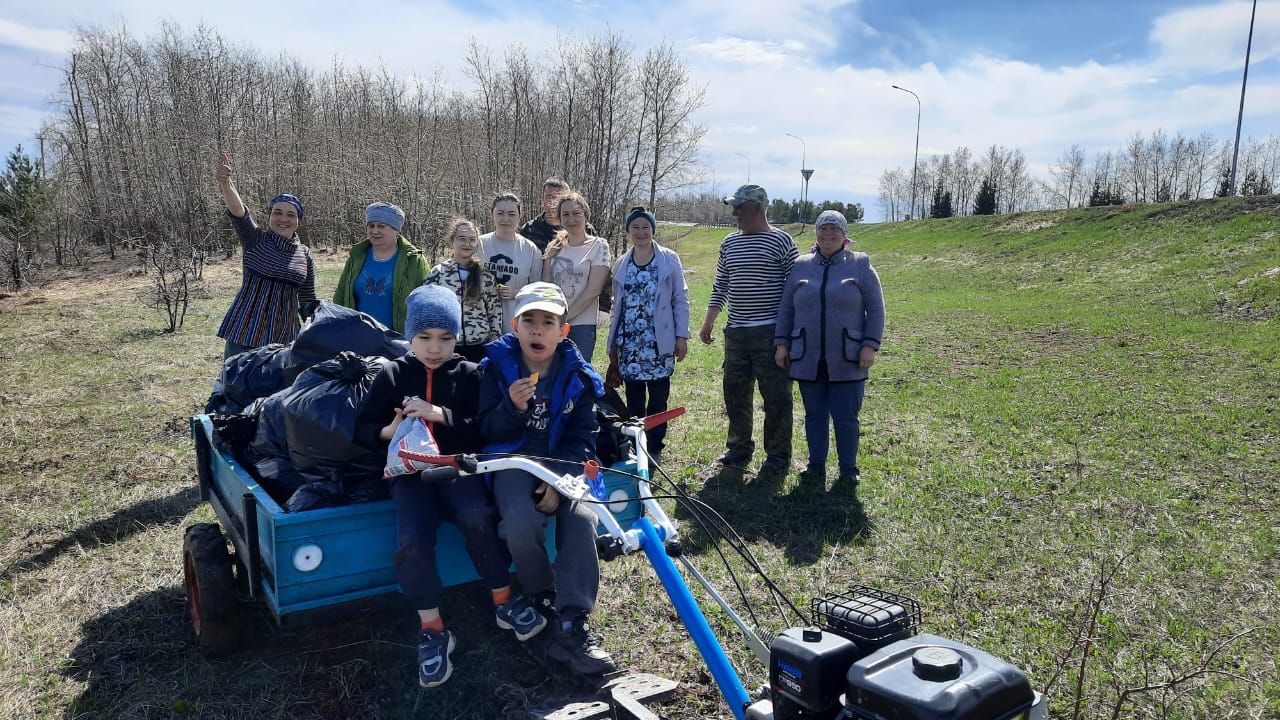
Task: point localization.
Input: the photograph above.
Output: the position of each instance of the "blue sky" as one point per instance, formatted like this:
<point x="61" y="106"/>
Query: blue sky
<point x="1035" y="75"/>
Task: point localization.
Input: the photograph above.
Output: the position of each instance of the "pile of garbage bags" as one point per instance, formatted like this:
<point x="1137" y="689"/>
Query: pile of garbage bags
<point x="287" y="413"/>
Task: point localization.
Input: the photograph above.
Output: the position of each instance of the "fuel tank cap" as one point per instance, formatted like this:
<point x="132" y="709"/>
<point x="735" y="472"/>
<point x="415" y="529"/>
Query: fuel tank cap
<point x="937" y="664"/>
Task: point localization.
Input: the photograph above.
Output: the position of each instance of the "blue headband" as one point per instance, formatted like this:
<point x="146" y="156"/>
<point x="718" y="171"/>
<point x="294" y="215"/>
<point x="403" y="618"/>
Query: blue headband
<point x="286" y="198"/>
<point x="642" y="213"/>
<point x="385" y="213"/>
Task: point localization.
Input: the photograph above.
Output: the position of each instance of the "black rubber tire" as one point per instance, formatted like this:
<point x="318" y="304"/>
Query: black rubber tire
<point x="215" y="612"/>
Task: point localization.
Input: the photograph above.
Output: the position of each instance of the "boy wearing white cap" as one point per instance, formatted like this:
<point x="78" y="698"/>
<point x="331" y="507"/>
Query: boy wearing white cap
<point x="538" y="399"/>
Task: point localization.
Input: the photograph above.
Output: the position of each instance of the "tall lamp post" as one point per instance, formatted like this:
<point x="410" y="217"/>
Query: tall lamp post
<point x="746" y="157"/>
<point x="805" y="174"/>
<point x="915" y="162"/>
<point x="1231" y="188"/>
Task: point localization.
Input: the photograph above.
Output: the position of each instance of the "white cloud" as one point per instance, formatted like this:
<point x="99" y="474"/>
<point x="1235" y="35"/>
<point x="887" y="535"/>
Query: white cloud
<point x="15" y="34"/>
<point x="760" y="63"/>
<point x="1212" y="38"/>
<point x="740" y="52"/>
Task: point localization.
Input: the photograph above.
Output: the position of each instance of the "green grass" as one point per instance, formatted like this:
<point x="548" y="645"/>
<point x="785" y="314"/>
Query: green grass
<point x="1062" y="397"/>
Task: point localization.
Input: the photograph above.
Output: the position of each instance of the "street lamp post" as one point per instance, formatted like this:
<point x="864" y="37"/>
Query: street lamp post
<point x="805" y="174"/>
<point x="746" y="157"/>
<point x="1231" y="187"/>
<point x="915" y="162"/>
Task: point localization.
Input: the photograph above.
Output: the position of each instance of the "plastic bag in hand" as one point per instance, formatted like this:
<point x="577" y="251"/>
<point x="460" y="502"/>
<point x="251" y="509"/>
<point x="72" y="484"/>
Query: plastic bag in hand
<point x="412" y="438"/>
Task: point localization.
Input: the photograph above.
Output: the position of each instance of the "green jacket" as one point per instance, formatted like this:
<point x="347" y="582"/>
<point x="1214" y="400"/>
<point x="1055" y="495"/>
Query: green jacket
<point x="411" y="270"/>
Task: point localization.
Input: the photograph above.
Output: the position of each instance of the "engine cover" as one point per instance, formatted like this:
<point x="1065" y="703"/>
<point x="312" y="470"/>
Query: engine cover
<point x="931" y="678"/>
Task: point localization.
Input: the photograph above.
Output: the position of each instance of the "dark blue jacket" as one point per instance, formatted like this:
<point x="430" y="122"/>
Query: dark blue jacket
<point x="571" y="434"/>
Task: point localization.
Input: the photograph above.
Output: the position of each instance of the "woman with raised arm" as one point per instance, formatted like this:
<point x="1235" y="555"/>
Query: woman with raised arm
<point x="579" y="264"/>
<point x="279" y="273"/>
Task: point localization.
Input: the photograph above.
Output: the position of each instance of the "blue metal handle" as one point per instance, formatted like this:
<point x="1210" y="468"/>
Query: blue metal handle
<point x="694" y="621"/>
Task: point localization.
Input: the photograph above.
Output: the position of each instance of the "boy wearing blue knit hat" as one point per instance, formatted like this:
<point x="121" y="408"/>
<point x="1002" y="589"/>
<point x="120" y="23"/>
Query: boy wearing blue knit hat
<point x="439" y="386"/>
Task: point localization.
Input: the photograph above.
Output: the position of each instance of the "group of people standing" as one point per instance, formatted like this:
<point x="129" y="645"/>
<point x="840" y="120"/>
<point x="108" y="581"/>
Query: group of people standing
<point x="490" y="370"/>
<point x="500" y="362"/>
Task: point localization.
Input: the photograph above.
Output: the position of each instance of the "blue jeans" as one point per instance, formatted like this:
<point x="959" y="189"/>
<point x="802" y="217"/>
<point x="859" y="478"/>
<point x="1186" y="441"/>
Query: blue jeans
<point x="839" y="402"/>
<point x="420" y="508"/>
<point x="584" y="336"/>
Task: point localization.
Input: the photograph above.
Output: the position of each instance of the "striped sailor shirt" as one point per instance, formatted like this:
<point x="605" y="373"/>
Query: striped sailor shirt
<point x="279" y="278"/>
<point x="751" y="275"/>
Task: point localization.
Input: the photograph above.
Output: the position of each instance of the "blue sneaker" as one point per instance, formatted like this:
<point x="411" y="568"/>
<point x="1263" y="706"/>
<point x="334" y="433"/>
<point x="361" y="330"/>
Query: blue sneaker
<point x="434" y="666"/>
<point x="520" y="617"/>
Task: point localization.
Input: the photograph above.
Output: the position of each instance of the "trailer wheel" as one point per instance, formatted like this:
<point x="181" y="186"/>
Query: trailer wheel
<point x="211" y="592"/>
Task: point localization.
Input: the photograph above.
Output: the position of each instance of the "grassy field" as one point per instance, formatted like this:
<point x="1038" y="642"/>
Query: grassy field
<point x="1071" y="456"/>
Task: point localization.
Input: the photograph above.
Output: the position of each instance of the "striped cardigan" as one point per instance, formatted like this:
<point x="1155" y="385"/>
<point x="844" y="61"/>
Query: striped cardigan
<point x="279" y="278"/>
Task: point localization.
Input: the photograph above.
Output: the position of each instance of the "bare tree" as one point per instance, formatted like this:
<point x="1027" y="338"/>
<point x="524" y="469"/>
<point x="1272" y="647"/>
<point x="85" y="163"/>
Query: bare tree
<point x="1068" y="178"/>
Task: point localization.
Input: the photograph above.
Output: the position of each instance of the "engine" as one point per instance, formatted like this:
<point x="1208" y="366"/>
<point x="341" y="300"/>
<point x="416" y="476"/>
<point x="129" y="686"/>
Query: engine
<point x="868" y="661"/>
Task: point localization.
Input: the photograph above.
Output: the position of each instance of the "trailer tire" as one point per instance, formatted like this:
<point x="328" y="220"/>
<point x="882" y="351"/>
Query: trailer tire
<point x="211" y="592"/>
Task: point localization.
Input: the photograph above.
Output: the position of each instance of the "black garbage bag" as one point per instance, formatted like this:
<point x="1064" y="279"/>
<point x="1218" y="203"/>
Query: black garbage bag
<point x="611" y="445"/>
<point x="235" y="432"/>
<point x="328" y="486"/>
<point x="267" y="456"/>
<point x="320" y="416"/>
<point x="248" y="376"/>
<point x="316" y="495"/>
<point x="333" y="329"/>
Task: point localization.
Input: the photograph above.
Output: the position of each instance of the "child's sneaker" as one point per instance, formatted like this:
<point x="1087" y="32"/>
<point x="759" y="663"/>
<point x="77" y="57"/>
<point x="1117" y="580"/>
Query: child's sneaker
<point x="576" y="646"/>
<point x="520" y="617"/>
<point x="434" y="666"/>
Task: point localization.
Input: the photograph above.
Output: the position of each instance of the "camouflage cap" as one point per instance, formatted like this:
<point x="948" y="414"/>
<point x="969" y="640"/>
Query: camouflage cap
<point x="748" y="194"/>
<point x="541" y="296"/>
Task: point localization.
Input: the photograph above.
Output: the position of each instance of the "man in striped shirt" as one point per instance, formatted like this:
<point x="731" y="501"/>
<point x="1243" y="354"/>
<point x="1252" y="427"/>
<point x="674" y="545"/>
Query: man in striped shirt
<point x="750" y="275"/>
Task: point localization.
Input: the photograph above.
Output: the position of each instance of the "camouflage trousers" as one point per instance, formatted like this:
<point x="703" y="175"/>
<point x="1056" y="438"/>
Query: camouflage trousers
<point x="748" y="361"/>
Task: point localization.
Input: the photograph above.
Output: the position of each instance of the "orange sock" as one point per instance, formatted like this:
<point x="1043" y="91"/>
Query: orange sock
<point x="437" y="624"/>
<point x="501" y="596"/>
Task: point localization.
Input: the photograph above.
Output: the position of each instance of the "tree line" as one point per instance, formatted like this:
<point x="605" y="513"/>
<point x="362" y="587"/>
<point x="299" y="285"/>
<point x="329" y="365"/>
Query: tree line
<point x="1148" y="169"/>
<point x="125" y="163"/>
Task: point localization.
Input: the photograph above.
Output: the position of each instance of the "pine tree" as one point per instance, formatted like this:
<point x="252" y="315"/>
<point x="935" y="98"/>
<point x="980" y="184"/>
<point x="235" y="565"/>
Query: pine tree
<point x="985" y="201"/>
<point x="1098" y="197"/>
<point x="1255" y="184"/>
<point x="1224" y="183"/>
<point x="23" y="194"/>
<point x="941" y="206"/>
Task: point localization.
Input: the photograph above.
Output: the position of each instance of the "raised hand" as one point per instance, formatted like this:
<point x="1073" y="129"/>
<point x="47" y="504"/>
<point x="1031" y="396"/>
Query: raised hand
<point x="223" y="170"/>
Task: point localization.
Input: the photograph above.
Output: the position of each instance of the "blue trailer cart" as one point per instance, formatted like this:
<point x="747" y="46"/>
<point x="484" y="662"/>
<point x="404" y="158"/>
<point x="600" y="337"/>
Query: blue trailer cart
<point x="299" y="564"/>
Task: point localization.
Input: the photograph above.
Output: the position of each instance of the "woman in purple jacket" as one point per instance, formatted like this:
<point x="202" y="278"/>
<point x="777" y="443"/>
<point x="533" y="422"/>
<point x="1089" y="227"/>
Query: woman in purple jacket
<point x="649" y="329"/>
<point x="831" y="342"/>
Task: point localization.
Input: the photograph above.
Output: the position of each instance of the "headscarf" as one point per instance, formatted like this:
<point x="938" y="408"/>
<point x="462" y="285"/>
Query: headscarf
<point x="286" y="198"/>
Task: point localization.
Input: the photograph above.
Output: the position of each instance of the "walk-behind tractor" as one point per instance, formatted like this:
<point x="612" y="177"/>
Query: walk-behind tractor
<point x="854" y="655"/>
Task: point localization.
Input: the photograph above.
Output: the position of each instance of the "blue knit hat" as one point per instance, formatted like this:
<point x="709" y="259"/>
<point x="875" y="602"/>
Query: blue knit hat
<point x="385" y="213"/>
<point x="432" y="306"/>
<point x="641" y="212"/>
<point x="286" y="198"/>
